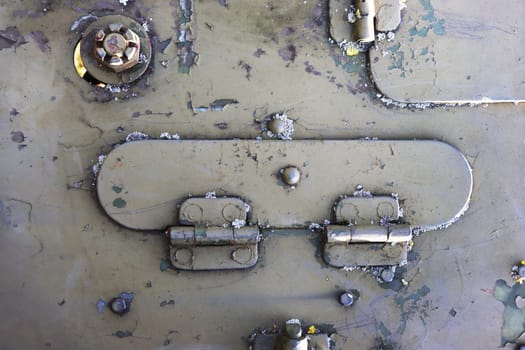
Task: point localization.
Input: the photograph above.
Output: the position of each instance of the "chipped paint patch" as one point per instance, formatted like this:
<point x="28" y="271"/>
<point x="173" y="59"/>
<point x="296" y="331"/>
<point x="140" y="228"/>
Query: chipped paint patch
<point x="11" y="38"/>
<point x="117" y="189"/>
<point x="410" y="305"/>
<point x="187" y="58"/>
<point x="119" y="203"/>
<point x="513" y="317"/>
<point x="436" y="25"/>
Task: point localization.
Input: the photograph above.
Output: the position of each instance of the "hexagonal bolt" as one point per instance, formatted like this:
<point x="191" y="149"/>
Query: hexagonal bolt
<point x="387" y="275"/>
<point x="293" y="329"/>
<point x="117" y="47"/>
<point x="347" y="299"/>
<point x="119" y="306"/>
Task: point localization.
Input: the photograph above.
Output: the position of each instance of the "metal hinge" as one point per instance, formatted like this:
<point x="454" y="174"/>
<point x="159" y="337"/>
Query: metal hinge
<point x="215" y="236"/>
<point x="367" y="233"/>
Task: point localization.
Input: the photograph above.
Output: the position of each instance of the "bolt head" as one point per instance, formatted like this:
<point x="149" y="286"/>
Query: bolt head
<point x="115" y="44"/>
<point x="293" y="329"/>
<point x="291" y="175"/>
<point x="387" y="275"/>
<point x="117" y="47"/>
<point x="119" y="306"/>
<point x="346" y="299"/>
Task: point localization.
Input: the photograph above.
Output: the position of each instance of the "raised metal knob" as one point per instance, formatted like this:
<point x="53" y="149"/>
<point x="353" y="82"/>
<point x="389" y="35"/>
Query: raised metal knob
<point x="290" y="175"/>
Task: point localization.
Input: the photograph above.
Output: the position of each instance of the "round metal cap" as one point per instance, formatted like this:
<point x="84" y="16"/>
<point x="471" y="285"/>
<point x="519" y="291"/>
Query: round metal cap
<point x="291" y="175"/>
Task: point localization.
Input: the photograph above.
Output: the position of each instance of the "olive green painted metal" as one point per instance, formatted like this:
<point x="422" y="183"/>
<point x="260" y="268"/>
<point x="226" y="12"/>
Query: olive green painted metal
<point x="366" y="210"/>
<point x="453" y="52"/>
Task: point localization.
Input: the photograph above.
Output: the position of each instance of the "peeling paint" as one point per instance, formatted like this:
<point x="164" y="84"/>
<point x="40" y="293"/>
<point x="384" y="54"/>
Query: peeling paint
<point x="513" y="317"/>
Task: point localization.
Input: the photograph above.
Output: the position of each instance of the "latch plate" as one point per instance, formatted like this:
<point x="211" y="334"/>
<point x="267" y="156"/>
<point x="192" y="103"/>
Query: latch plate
<point x="433" y="195"/>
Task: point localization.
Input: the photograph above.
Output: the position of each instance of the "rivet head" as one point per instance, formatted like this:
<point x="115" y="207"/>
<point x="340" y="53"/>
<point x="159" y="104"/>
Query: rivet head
<point x="291" y="175"/>
<point x="277" y="126"/>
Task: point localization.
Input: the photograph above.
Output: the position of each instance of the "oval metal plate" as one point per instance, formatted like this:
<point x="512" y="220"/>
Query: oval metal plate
<point x="141" y="183"/>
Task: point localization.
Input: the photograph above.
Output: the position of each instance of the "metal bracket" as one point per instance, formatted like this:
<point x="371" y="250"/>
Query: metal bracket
<point x="292" y="338"/>
<point x="217" y="238"/>
<point x="370" y="237"/>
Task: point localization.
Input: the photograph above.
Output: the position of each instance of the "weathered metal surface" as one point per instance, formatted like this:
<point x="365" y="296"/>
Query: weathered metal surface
<point x="340" y="28"/>
<point x="293" y="337"/>
<point x="360" y="21"/>
<point x="366" y="210"/>
<point x="269" y="341"/>
<point x="365" y="254"/>
<point x="154" y="176"/>
<point x="213" y="211"/>
<point x="60" y="252"/>
<point x="450" y="51"/>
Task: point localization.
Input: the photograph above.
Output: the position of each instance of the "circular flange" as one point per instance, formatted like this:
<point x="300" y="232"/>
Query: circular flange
<point x="114" y="41"/>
